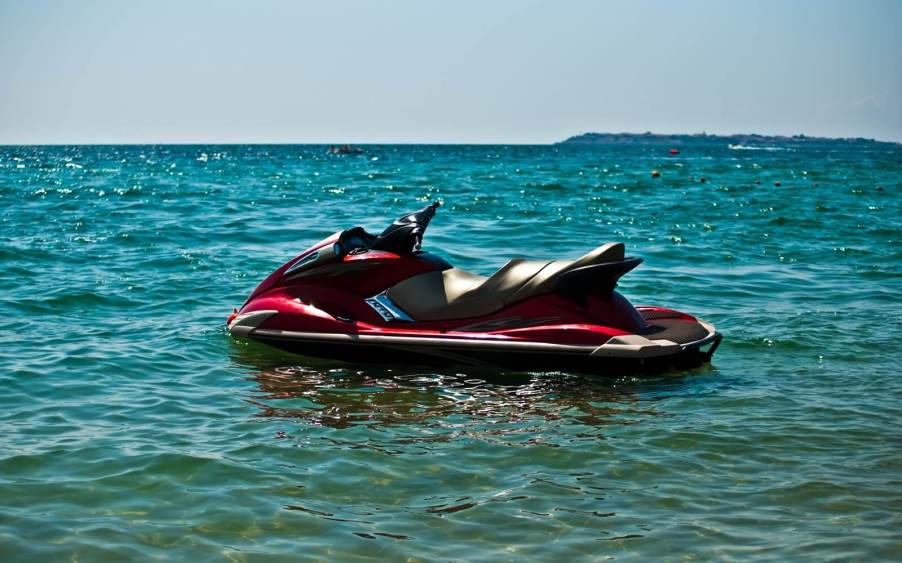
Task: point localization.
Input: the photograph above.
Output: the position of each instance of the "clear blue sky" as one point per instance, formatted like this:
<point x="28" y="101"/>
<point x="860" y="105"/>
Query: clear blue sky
<point x="452" y="71"/>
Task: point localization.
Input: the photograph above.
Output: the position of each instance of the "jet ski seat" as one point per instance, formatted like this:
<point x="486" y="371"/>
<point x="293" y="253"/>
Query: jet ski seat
<point x="458" y="294"/>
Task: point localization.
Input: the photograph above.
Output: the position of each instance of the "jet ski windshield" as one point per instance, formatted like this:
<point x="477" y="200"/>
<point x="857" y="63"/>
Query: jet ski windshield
<point x="354" y="240"/>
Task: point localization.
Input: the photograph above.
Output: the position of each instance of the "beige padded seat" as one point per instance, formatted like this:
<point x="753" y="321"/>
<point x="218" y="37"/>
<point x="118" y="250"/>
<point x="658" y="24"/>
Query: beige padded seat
<point x="457" y="294"/>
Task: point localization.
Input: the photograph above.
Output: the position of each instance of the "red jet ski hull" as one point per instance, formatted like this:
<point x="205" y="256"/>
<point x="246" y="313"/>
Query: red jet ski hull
<point x="519" y="350"/>
<point x="338" y="300"/>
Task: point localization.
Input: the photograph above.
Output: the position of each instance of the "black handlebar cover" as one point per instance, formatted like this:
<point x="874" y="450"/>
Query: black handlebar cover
<point x="405" y="235"/>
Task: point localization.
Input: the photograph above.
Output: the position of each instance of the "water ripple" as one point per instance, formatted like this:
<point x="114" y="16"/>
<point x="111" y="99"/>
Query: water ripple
<point x="134" y="428"/>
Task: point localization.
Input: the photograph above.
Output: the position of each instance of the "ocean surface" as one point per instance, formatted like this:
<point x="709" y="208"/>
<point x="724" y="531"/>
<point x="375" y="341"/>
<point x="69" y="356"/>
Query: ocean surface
<point x="133" y="427"/>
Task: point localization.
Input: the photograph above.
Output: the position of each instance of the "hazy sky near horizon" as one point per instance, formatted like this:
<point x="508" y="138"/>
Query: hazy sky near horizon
<point x="427" y="71"/>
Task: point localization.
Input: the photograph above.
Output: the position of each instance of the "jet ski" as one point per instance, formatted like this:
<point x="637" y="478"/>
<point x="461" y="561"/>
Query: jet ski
<point x="359" y="297"/>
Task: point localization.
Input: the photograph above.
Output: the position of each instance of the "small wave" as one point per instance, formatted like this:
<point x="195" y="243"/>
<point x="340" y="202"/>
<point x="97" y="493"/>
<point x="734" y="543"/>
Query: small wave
<point x="751" y="148"/>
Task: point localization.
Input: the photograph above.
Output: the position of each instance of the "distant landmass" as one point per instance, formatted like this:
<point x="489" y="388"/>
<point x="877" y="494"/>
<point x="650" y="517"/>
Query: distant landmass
<point x="697" y="139"/>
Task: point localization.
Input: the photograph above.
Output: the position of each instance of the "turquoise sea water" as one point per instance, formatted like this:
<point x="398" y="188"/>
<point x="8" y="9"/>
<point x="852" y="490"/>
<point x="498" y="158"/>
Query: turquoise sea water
<point x="133" y="427"/>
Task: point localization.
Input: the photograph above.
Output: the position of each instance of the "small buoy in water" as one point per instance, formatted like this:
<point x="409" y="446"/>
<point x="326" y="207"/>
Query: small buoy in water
<point x="879" y="188"/>
<point x="674" y="151"/>
<point x="655" y="174"/>
<point x="758" y="182"/>
<point x="702" y="179"/>
<point x="777" y="183"/>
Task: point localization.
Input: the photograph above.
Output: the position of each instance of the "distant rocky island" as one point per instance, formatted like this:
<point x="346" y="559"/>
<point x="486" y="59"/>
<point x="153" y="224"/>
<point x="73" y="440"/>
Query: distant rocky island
<point x="698" y="139"/>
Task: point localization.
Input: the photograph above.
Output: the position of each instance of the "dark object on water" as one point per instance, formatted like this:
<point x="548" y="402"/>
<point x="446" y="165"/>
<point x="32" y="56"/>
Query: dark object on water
<point x="360" y="297"/>
<point x="655" y="174"/>
<point x="674" y="151"/>
<point x="345" y="149"/>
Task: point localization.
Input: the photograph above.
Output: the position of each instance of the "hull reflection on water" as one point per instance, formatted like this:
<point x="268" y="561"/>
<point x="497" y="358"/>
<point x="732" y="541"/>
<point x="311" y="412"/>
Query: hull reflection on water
<point x="338" y="396"/>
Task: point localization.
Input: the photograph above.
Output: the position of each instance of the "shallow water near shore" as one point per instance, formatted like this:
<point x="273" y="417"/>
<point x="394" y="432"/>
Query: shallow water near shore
<point x="134" y="427"/>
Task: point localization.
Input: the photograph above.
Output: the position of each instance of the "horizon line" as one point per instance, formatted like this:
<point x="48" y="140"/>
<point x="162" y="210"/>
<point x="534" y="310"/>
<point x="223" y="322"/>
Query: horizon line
<point x="440" y="143"/>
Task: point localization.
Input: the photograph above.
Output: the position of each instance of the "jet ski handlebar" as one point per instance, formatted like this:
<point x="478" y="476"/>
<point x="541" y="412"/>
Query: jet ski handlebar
<point x="405" y="235"/>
